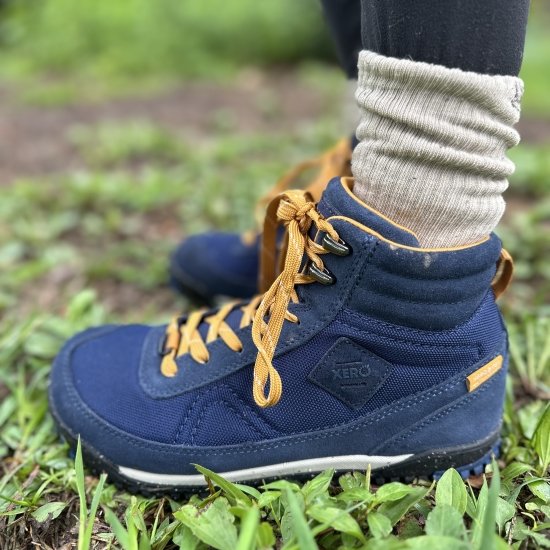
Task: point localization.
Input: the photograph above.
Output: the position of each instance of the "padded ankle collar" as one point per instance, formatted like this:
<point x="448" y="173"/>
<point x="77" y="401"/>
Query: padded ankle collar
<point x="402" y="283"/>
<point x="425" y="290"/>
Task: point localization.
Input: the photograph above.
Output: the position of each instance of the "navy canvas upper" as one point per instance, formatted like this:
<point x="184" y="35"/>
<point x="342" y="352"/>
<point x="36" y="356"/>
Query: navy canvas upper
<point x="377" y="364"/>
<point x="217" y="263"/>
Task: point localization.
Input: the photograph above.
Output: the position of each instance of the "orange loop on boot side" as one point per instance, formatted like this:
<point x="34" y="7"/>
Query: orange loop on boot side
<point x="505" y="272"/>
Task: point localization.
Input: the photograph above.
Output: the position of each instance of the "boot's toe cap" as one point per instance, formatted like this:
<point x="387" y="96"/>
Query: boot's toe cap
<point x="95" y="387"/>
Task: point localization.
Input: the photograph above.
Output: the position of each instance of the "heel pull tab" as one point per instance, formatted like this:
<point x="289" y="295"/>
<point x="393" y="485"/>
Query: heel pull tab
<point x="504" y="274"/>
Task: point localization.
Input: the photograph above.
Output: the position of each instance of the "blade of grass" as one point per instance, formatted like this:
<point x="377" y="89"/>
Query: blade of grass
<point x="118" y="529"/>
<point x="249" y="529"/>
<point x="487" y="540"/>
<point x="94" y="506"/>
<point x="302" y="531"/>
<point x="83" y="543"/>
<point x="86" y="518"/>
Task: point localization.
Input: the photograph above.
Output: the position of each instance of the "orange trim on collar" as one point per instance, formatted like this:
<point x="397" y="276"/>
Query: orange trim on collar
<point x="404" y="246"/>
<point x="347" y="184"/>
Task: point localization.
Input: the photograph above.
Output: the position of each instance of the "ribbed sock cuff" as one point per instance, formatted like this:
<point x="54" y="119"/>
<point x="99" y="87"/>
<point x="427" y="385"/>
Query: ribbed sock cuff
<point x="433" y="142"/>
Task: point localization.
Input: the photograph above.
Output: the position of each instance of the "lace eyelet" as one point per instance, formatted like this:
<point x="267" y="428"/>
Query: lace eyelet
<point x="339" y="247"/>
<point x="162" y="351"/>
<point x="323" y="276"/>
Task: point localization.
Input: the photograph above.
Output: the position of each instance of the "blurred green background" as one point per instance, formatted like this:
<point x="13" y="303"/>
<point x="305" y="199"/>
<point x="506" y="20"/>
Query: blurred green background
<point x="128" y="124"/>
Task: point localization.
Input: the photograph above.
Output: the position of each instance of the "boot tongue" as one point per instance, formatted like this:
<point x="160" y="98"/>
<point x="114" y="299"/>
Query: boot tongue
<point x="339" y="200"/>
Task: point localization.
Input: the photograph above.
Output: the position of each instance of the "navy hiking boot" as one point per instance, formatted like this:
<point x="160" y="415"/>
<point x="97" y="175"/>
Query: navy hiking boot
<point x="215" y="264"/>
<point x="364" y="350"/>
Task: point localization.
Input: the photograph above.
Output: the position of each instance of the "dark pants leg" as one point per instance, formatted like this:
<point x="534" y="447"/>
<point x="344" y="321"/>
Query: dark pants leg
<point x="344" y="21"/>
<point x="484" y="36"/>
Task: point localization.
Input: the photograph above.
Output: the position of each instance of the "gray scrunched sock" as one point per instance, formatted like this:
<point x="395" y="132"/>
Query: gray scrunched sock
<point x="433" y="142"/>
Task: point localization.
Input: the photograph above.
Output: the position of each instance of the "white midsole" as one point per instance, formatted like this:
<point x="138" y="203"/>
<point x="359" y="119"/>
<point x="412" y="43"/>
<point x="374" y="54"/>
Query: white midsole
<point x="312" y="465"/>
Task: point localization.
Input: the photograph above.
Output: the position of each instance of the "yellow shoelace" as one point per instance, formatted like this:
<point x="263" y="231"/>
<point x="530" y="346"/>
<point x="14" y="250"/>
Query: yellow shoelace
<point x="334" y="162"/>
<point x="266" y="312"/>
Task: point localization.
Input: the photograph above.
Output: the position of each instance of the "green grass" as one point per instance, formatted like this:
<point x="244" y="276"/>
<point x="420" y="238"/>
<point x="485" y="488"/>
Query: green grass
<point x="45" y="490"/>
<point x="167" y="37"/>
<point x="535" y="67"/>
<point x="91" y="49"/>
<point x="40" y="482"/>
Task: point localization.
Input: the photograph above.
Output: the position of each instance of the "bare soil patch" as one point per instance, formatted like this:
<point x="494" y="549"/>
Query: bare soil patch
<point x="35" y="141"/>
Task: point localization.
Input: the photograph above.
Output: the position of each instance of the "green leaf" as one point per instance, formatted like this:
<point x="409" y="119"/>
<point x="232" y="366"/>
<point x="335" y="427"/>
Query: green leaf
<point x="519" y="530"/>
<point x="392" y="491"/>
<point x="529" y="417"/>
<point x="540" y="538"/>
<point x="541" y="440"/>
<point x="379" y="525"/>
<point x="505" y="512"/>
<point x="317" y="486"/>
<point x="83" y="541"/>
<point x="184" y="538"/>
<point x="265" y="536"/>
<point x="395" y="510"/>
<point x="451" y="490"/>
<point x="300" y="528"/>
<point x="144" y="542"/>
<point x="533" y="505"/>
<point x="339" y="520"/>
<point x="267" y="498"/>
<point x="86" y="519"/>
<point x="49" y="511"/>
<point x="445" y="520"/>
<point x="481" y="503"/>
<point x="513" y="470"/>
<point x="42" y="344"/>
<point x="79" y="306"/>
<point x="119" y="531"/>
<point x="541" y="489"/>
<point x="252" y="491"/>
<point x="231" y="490"/>
<point x="353" y="480"/>
<point x="281" y="485"/>
<point x="471" y="506"/>
<point x="356" y="494"/>
<point x="213" y="526"/>
<point x="436" y="543"/>
<point x="488" y="514"/>
<point x="93" y="507"/>
<point x="249" y="528"/>
<point x="410" y="528"/>
<point x="287" y="521"/>
<point x="390" y="543"/>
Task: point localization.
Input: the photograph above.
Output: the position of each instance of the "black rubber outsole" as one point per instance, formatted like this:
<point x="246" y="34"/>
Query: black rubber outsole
<point x="467" y="460"/>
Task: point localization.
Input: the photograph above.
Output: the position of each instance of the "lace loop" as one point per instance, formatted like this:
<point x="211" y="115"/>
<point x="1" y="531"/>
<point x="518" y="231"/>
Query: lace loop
<point x="334" y="162"/>
<point x="266" y="313"/>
